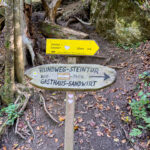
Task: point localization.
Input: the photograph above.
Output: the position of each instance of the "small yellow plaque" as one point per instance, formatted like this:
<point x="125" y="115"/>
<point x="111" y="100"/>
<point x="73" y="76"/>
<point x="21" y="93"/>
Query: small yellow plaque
<point x="71" y="47"/>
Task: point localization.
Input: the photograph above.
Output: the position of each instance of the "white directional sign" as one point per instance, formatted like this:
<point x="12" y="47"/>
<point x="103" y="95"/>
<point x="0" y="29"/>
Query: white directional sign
<point x="71" y="76"/>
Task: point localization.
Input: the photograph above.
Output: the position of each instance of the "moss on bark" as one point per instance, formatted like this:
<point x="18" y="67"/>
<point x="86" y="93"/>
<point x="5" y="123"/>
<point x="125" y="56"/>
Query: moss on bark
<point x="121" y="21"/>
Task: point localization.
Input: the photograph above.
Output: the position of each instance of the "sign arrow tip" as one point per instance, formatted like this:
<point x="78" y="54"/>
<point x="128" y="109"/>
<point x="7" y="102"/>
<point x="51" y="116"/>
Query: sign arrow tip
<point x="106" y="76"/>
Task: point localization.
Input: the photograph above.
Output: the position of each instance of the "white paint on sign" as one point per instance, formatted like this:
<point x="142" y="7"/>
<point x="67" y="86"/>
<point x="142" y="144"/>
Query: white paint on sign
<point x="71" y="76"/>
<point x="70" y="101"/>
<point x="70" y="95"/>
<point x="67" y="47"/>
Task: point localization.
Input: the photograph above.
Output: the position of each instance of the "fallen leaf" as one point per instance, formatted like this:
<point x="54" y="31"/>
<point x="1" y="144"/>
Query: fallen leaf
<point x="148" y="143"/>
<point x="37" y="128"/>
<point x="50" y="131"/>
<point x="76" y="127"/>
<point x="99" y="133"/>
<point x="123" y="141"/>
<point x="81" y="141"/>
<point x="56" y="140"/>
<point x="79" y="119"/>
<point x="117" y="107"/>
<point x="116" y="139"/>
<point x="101" y="106"/>
<point x="92" y="123"/>
<point x="112" y="103"/>
<point x="83" y="128"/>
<point x="107" y="108"/>
<point x="4" y="148"/>
<point x="61" y="118"/>
<point x="15" y="146"/>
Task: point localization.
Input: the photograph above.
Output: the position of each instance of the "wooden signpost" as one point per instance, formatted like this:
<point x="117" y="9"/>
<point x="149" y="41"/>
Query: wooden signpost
<point x="71" y="77"/>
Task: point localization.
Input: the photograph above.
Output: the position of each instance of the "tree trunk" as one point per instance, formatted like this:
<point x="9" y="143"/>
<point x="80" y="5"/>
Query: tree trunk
<point x="8" y="89"/>
<point x="51" y="30"/>
<point x="51" y="9"/>
<point x="19" y="48"/>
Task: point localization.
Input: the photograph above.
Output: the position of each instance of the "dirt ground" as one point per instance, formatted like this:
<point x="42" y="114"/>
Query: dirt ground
<point x="98" y="123"/>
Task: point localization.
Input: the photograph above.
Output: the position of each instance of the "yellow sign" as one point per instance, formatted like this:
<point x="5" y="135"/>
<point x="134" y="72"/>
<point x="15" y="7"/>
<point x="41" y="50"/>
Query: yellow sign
<point x="71" y="47"/>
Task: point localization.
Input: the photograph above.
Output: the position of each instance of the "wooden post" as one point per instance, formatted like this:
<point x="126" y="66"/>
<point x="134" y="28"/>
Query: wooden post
<point x="70" y="109"/>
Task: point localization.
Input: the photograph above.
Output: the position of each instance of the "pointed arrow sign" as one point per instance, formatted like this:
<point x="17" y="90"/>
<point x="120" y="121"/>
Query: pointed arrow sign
<point x="105" y="76"/>
<point x="71" y="76"/>
<point x="71" y="47"/>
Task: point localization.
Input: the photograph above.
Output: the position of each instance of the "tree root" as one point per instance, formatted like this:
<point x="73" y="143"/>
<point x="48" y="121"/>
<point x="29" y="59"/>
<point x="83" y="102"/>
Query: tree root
<point x="28" y="123"/>
<point x="44" y="105"/>
<point x="16" y="130"/>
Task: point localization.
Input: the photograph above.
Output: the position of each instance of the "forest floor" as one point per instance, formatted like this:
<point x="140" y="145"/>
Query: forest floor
<point x="99" y="123"/>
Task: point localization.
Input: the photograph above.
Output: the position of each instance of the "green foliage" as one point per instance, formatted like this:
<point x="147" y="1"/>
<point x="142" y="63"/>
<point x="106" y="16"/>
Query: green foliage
<point x="129" y="46"/>
<point x="11" y="112"/>
<point x="7" y="44"/>
<point x="140" y="108"/>
<point x="135" y="132"/>
<point x="145" y="76"/>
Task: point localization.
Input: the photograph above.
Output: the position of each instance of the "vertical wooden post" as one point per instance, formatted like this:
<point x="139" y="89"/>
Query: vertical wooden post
<point x="70" y="109"/>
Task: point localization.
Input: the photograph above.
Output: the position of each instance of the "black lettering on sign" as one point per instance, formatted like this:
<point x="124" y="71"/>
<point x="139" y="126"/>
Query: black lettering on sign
<point x="72" y="69"/>
<point x="69" y="83"/>
<point x="55" y="44"/>
<point x="55" y="47"/>
<point x="80" y="48"/>
<point x="44" y="76"/>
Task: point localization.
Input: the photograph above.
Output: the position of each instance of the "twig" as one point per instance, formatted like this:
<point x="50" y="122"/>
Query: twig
<point x="54" y="98"/>
<point x="44" y="105"/>
<point x="107" y="61"/>
<point x="16" y="130"/>
<point x="31" y="128"/>
<point x="116" y="67"/>
<point x="18" y="98"/>
<point x="83" y="22"/>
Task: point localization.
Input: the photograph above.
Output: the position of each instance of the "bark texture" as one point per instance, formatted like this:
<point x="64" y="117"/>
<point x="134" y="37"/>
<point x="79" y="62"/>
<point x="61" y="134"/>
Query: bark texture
<point x="8" y="89"/>
<point x="50" y="30"/>
<point x="19" y="48"/>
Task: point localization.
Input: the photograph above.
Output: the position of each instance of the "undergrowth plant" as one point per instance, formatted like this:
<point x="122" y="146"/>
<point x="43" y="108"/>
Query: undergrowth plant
<point x="11" y="112"/>
<point x="141" y="107"/>
<point x="129" y="46"/>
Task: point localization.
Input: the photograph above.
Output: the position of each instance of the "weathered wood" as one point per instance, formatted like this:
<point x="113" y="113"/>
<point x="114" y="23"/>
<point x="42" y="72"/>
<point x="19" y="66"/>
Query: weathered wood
<point x="53" y="9"/>
<point x="76" y="9"/>
<point x="69" y="118"/>
<point x="56" y="31"/>
<point x="71" y="76"/>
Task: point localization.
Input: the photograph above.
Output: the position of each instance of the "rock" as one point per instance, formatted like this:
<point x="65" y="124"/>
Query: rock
<point x="122" y="21"/>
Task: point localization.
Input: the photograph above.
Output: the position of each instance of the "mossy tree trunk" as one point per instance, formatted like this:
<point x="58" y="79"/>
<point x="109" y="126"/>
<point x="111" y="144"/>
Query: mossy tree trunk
<point x="14" y="57"/>
<point x="8" y="89"/>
